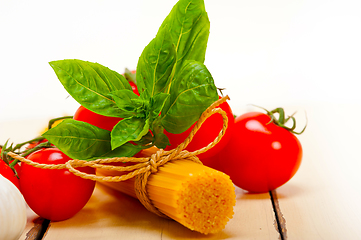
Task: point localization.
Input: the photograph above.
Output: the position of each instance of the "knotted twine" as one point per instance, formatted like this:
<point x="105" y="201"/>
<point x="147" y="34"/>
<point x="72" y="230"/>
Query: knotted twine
<point x="144" y="166"/>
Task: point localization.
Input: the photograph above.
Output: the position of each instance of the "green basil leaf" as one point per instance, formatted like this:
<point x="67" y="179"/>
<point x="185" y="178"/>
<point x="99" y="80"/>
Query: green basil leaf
<point x="145" y="141"/>
<point x="80" y="140"/>
<point x="126" y="150"/>
<point x="155" y="64"/>
<point x="161" y="141"/>
<point x="128" y="102"/>
<point x="90" y="84"/>
<point x="157" y="103"/>
<point x="192" y="91"/>
<point x="189" y="26"/>
<point x="129" y="129"/>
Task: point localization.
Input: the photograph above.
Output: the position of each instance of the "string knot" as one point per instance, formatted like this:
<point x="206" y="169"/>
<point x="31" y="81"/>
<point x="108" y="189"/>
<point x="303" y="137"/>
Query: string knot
<point x="155" y="160"/>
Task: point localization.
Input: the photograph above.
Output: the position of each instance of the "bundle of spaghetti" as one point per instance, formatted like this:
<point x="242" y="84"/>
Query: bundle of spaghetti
<point x="198" y="197"/>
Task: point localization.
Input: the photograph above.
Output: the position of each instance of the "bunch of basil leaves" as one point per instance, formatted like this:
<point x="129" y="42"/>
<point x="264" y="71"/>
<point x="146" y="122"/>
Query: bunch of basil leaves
<point x="175" y="88"/>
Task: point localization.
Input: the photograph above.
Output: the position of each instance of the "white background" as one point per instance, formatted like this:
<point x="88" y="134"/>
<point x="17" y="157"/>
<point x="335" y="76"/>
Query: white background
<point x="266" y="52"/>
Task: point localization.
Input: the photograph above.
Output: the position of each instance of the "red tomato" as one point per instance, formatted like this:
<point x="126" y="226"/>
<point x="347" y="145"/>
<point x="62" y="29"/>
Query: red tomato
<point x="260" y="155"/>
<point x="104" y="122"/>
<point x="134" y="87"/>
<point x="213" y="162"/>
<point x="206" y="134"/>
<point x="54" y="194"/>
<point x="6" y="172"/>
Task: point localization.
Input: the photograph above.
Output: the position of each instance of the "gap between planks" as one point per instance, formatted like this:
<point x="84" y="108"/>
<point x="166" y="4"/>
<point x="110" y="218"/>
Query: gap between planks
<point x="39" y="230"/>
<point x="280" y="222"/>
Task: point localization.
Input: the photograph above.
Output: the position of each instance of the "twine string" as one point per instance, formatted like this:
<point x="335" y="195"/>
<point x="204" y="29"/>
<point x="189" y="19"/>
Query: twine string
<point x="142" y="167"/>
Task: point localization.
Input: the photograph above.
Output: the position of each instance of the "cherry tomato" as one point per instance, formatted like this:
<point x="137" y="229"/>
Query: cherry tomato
<point x="54" y="194"/>
<point x="134" y="87"/>
<point x="6" y="172"/>
<point x="206" y="134"/>
<point x="260" y="156"/>
<point x="104" y="122"/>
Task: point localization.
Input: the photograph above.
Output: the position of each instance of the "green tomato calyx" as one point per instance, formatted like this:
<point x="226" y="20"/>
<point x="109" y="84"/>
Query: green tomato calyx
<point x="282" y="120"/>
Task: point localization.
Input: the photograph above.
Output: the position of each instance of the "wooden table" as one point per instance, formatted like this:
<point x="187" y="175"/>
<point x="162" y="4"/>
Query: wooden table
<point x="322" y="201"/>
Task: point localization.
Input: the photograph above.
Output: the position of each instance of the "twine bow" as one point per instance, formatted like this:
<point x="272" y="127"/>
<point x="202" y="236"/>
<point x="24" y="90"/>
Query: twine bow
<point x="145" y="166"/>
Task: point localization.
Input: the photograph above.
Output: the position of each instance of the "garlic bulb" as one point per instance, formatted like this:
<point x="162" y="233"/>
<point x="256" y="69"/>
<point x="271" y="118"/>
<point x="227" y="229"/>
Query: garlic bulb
<point x="12" y="211"/>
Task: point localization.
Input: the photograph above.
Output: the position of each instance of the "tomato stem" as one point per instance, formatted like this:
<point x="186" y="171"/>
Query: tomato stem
<point x="5" y="149"/>
<point x="20" y="145"/>
<point x="3" y="154"/>
<point x="281" y="121"/>
<point x="27" y="152"/>
<point x="281" y="118"/>
<point x="16" y="149"/>
<point x="52" y="121"/>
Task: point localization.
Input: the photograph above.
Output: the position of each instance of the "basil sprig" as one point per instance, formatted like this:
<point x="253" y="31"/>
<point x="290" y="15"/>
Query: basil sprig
<point x="175" y="88"/>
